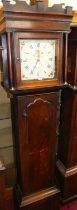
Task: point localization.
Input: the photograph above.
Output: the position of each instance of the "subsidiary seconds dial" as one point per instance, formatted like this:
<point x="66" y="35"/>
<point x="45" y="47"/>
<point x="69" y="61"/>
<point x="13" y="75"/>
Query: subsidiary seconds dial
<point x="37" y="59"/>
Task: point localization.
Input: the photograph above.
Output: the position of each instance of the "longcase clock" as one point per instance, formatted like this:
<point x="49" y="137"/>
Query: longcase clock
<point x="32" y="41"/>
<point x="67" y="149"/>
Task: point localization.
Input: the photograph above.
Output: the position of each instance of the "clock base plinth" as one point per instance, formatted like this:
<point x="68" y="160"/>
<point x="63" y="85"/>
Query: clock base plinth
<point x="42" y="200"/>
<point x="67" y="181"/>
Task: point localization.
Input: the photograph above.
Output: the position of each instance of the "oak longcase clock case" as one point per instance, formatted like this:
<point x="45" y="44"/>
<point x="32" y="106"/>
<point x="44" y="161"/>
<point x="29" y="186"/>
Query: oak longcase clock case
<point x="67" y="149"/>
<point x="32" y="41"/>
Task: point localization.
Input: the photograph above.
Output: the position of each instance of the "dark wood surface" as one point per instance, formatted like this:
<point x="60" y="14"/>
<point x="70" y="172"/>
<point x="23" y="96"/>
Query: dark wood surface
<point x="18" y="83"/>
<point x="36" y="22"/>
<point x="72" y="57"/>
<point x="36" y="123"/>
<point x="2" y="186"/>
<point x="34" y="115"/>
<point x="34" y="128"/>
<point x="67" y="149"/>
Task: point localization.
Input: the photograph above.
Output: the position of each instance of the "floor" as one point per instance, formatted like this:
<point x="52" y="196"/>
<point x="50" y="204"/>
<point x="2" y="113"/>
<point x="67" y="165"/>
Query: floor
<point x="70" y="206"/>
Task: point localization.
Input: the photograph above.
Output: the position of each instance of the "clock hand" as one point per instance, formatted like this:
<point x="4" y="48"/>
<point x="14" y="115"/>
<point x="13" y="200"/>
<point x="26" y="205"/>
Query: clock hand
<point x="36" y="64"/>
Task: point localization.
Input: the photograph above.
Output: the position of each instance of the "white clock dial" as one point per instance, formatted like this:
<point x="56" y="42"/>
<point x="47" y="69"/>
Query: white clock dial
<point x="37" y="59"/>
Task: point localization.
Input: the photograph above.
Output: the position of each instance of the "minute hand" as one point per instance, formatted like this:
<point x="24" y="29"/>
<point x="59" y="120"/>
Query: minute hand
<point x="36" y="64"/>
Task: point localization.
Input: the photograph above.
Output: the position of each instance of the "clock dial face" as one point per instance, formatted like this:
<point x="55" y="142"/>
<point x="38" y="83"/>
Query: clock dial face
<point x="37" y="59"/>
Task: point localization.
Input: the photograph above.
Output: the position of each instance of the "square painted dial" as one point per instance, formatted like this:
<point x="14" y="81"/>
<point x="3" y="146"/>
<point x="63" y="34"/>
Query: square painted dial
<point x="38" y="59"/>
